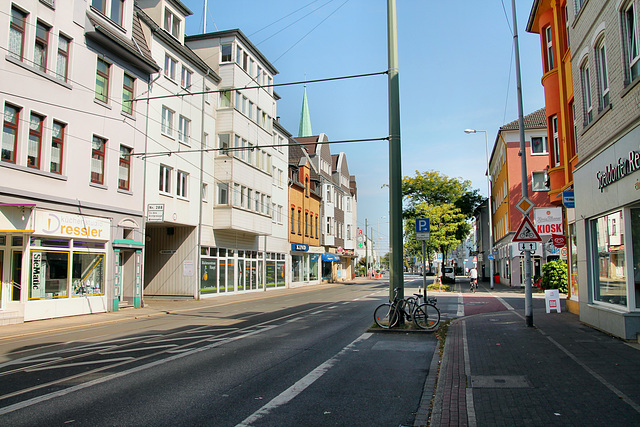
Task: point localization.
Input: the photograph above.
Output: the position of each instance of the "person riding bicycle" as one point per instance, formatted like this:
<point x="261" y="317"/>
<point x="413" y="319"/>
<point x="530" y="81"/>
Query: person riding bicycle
<point x="473" y="276"/>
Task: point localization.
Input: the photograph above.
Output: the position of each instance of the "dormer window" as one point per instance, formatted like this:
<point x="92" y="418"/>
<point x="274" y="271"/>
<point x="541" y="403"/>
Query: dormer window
<point x="171" y="23"/>
<point x="114" y="9"/>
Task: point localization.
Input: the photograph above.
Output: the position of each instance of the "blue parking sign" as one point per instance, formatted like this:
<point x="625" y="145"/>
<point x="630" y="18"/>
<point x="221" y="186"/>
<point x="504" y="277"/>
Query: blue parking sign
<point x="423" y="225"/>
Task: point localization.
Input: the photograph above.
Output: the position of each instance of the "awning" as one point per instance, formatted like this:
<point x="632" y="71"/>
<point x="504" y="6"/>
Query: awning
<point x="330" y="257"/>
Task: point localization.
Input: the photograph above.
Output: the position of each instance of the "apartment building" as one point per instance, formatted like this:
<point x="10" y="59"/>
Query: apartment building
<point x="506" y="191"/>
<point x="550" y="20"/>
<point x="179" y="169"/>
<point x="606" y="70"/>
<point x="241" y="243"/>
<point x="71" y="193"/>
<point x="305" y="199"/>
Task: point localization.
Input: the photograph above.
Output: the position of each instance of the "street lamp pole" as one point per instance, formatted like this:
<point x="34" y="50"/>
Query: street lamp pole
<point x="486" y="143"/>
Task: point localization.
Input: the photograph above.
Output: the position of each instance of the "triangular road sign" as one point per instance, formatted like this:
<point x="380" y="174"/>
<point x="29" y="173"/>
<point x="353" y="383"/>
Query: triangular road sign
<point x="526" y="232"/>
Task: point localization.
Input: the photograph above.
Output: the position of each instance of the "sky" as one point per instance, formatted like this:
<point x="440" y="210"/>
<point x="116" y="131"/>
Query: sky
<point x="456" y="71"/>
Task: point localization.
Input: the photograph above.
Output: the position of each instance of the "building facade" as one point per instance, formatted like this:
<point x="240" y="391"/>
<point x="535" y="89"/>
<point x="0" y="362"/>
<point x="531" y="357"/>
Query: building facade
<point x="606" y="68"/>
<point x="550" y="20"/>
<point x="71" y="194"/>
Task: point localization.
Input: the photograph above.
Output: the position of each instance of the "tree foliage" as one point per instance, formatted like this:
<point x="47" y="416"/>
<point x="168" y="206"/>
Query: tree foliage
<point x="554" y="275"/>
<point x="447" y="202"/>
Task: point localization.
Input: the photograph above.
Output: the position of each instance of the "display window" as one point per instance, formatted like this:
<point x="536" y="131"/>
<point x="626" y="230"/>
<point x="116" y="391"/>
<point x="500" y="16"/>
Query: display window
<point x="608" y="259"/>
<point x="60" y="268"/>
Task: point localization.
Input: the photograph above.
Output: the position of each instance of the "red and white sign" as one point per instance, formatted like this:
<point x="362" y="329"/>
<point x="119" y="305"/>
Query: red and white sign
<point x="548" y="220"/>
<point x="526" y="232"/>
<point x="559" y="241"/>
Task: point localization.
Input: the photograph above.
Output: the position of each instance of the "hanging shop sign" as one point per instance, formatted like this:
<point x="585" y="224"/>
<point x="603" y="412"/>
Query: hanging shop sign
<point x="548" y="220"/>
<point x="559" y="240"/>
<point x="616" y="171"/>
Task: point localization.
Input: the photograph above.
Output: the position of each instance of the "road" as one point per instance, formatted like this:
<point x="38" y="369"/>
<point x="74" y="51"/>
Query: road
<point x="300" y="357"/>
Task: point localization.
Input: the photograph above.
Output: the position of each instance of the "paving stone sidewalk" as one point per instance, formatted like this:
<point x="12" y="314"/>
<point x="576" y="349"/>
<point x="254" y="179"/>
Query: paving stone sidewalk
<point x="496" y="371"/>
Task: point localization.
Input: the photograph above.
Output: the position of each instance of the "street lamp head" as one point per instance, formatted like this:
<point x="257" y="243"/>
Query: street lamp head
<point x="470" y="131"/>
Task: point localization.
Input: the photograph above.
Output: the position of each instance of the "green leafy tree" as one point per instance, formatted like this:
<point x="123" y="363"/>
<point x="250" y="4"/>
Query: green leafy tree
<point x="447" y="202"/>
<point x="554" y="276"/>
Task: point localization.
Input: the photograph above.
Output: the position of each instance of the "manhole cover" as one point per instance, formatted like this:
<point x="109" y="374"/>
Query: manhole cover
<point x="499" y="381"/>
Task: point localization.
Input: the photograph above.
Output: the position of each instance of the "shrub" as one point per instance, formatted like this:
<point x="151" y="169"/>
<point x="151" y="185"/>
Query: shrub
<point x="554" y="276"/>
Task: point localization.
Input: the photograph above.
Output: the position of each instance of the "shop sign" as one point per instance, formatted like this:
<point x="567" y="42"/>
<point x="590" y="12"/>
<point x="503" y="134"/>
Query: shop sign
<point x="37" y="286"/>
<point x="615" y="172"/>
<point x="559" y="240"/>
<point x="60" y="224"/>
<point x="299" y="247"/>
<point x="548" y="220"/>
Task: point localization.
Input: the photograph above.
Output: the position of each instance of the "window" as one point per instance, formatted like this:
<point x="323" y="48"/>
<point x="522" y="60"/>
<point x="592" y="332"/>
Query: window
<point x="225" y="99"/>
<point x="306" y="224"/>
<point x="97" y="159"/>
<point x="165" y="179"/>
<point x="16" y="33"/>
<point x="539" y="145"/>
<point x="205" y="191"/>
<point x="124" y="169"/>
<point x="10" y="133"/>
<point x="57" y="146"/>
<point x="556" y="143"/>
<point x="62" y="66"/>
<point x="100" y="5"/>
<point x="102" y="81"/>
<point x="35" y="141"/>
<point x="223" y="143"/>
<point x="630" y="43"/>
<point x="117" y="10"/>
<point x="250" y="112"/>
<point x="292" y="227"/>
<point x="127" y="94"/>
<point x="181" y="183"/>
<point x="549" y="49"/>
<point x="223" y="193"/>
<point x="299" y="221"/>
<point x="225" y="52"/>
<point x="603" y="78"/>
<point x="167" y="121"/>
<point x="42" y="43"/>
<point x="539" y="181"/>
<point x="608" y="259"/>
<point x="184" y="126"/>
<point x="171" y="23"/>
<point x="586" y="93"/>
<point x="170" y="66"/>
<point x="574" y="130"/>
<point x="579" y="4"/>
<point x="185" y="80"/>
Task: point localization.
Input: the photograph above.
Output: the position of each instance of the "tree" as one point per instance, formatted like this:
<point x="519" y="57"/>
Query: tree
<point x="447" y="202"/>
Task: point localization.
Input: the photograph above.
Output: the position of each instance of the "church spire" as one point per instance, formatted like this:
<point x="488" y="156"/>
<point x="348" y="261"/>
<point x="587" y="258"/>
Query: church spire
<point x="305" y="118"/>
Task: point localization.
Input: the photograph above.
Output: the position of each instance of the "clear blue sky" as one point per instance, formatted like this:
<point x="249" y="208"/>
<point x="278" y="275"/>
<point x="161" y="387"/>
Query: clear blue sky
<point x="457" y="71"/>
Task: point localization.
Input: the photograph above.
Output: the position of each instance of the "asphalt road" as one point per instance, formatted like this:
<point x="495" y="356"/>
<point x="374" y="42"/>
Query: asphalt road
<point x="304" y="358"/>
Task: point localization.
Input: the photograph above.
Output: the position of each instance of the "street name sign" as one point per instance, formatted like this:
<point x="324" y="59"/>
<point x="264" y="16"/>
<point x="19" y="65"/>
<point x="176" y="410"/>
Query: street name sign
<point x="526" y="232"/>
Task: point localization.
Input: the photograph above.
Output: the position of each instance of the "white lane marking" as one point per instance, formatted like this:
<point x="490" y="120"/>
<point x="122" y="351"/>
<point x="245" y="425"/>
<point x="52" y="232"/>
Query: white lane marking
<point x="69" y="365"/>
<point x="317" y="312"/>
<point x="59" y="393"/>
<point x="192" y="337"/>
<point x="130" y="350"/>
<point x="299" y="386"/>
<point x="332" y="307"/>
<point x="460" y="312"/>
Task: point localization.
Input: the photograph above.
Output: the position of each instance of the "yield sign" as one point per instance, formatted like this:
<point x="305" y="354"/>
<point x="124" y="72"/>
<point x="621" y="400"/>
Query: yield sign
<point x="526" y="232"/>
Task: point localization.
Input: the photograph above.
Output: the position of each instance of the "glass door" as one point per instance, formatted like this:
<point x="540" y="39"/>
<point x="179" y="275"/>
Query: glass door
<point x="16" y="275"/>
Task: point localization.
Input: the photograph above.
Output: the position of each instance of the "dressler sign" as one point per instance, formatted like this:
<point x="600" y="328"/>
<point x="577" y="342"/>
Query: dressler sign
<point x="615" y="172"/>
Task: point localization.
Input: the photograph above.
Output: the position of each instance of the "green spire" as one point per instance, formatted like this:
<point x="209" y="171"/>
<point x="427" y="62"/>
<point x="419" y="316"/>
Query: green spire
<point x="305" y="118"/>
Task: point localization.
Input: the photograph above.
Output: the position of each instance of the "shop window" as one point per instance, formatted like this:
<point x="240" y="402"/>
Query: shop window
<point x="87" y="274"/>
<point x="635" y="237"/>
<point x="49" y="274"/>
<point x="608" y="255"/>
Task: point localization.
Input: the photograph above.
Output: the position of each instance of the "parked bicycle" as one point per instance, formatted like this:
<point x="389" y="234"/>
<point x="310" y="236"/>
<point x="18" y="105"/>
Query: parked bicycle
<point x="424" y="316"/>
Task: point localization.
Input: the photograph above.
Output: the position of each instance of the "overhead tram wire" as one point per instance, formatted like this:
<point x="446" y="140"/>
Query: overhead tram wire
<point x="353" y="76"/>
<point x="206" y="150"/>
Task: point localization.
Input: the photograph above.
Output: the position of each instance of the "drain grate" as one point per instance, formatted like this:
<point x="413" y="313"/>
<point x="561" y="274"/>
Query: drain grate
<point x="499" y="381"/>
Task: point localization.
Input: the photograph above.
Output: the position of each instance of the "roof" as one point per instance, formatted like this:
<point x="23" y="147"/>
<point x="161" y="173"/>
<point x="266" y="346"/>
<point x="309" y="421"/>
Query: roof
<point x="305" y="118"/>
<point x="535" y="120"/>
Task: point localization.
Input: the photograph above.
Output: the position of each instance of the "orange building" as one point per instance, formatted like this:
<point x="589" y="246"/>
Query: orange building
<point x="304" y="217"/>
<point x="549" y="19"/>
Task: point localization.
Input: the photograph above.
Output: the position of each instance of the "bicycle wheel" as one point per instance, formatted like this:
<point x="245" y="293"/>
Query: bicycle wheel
<point x="426" y="316"/>
<point x="385" y="316"/>
<point x="410" y="305"/>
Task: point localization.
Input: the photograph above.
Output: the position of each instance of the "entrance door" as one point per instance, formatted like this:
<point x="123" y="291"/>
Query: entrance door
<point x="16" y="275"/>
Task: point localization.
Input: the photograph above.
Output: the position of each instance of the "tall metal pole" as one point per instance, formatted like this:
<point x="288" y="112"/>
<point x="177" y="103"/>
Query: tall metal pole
<point x="396" y="280"/>
<point x="528" y="294"/>
<point x="366" y="248"/>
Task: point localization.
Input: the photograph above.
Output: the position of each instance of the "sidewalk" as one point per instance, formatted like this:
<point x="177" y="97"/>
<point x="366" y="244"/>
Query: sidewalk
<point x="496" y="371"/>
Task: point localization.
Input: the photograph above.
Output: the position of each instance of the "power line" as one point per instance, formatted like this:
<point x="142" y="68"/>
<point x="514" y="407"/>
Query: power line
<point x="352" y="76"/>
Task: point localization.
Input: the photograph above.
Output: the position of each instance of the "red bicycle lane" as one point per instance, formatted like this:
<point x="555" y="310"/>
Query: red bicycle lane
<point x="480" y="303"/>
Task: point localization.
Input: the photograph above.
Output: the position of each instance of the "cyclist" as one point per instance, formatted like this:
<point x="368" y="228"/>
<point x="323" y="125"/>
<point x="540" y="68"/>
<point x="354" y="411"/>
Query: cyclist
<point x="473" y="278"/>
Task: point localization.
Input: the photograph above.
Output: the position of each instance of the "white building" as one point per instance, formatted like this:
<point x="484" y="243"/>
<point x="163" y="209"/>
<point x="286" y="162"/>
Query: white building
<point x="241" y="250"/>
<point x="179" y="177"/>
<point x="71" y="196"/>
